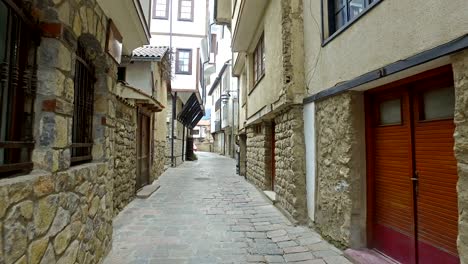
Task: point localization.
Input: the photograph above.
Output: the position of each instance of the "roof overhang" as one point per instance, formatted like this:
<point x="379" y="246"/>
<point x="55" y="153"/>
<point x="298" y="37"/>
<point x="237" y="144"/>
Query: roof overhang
<point x="247" y="18"/>
<point x="222" y="12"/>
<point x="192" y="112"/>
<point x="130" y="20"/>
<point x="139" y="98"/>
<point x="239" y="63"/>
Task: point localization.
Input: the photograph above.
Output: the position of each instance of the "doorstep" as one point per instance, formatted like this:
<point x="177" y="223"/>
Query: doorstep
<point x="270" y="195"/>
<point x="367" y="256"/>
<point x="147" y="190"/>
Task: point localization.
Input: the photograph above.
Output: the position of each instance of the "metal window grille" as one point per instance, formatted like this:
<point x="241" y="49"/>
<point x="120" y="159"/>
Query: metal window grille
<point x="19" y="38"/>
<point x="82" y="134"/>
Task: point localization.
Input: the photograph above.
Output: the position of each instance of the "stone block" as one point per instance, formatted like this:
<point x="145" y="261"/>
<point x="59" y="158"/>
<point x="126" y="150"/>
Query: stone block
<point x="22" y="260"/>
<point x="50" y="82"/>
<point x="43" y="186"/>
<point x="16" y="241"/>
<point x="53" y="53"/>
<point x="44" y="213"/>
<point x="49" y="255"/>
<point x="62" y="219"/>
<point x="4" y="201"/>
<point x="63" y="11"/>
<point x="19" y="191"/>
<point x="62" y="240"/>
<point x="37" y="249"/>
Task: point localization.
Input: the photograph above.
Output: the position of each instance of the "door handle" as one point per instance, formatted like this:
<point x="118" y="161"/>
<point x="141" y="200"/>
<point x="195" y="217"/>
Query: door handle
<point x="414" y="179"/>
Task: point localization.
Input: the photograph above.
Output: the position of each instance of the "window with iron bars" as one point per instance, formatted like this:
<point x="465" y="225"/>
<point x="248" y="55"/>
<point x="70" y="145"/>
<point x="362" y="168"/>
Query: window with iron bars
<point x="82" y="133"/>
<point x="19" y="39"/>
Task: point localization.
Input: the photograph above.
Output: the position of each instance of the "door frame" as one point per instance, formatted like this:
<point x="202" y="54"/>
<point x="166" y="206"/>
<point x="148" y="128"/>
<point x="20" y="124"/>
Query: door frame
<point x="370" y="146"/>
<point x="141" y="112"/>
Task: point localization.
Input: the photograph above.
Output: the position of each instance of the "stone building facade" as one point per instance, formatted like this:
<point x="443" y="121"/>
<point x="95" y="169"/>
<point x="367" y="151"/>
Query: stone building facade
<point x="366" y="174"/>
<point x="59" y="212"/>
<point x="271" y="90"/>
<point x="259" y="155"/>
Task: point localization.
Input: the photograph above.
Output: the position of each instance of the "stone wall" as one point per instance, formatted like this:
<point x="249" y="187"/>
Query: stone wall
<point x="290" y="180"/>
<point x="57" y="213"/>
<point x="259" y="155"/>
<point x="341" y="175"/>
<point x="159" y="159"/>
<point x="125" y="156"/>
<point x="57" y="218"/>
<point x="460" y="69"/>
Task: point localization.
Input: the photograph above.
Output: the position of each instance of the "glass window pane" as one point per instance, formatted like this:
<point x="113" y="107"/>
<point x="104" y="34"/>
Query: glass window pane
<point x="340" y="19"/>
<point x="390" y="112"/>
<point x="355" y="8"/>
<point x="339" y="4"/>
<point x="439" y="104"/>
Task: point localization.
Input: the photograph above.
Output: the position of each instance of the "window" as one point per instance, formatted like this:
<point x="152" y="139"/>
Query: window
<point x="259" y="60"/>
<point x="195" y="132"/>
<point x="82" y="134"/>
<point x="161" y="9"/>
<point x="340" y="12"/>
<point x="438" y="104"/>
<point x="390" y="112"/>
<point x="185" y="10"/>
<point x="18" y="44"/>
<point x="184" y="61"/>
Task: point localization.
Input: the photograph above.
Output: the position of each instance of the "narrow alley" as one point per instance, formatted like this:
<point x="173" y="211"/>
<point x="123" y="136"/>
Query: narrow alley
<point x="205" y="213"/>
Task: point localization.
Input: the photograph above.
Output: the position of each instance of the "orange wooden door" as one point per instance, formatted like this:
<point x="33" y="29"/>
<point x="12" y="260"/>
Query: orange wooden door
<point x="436" y="171"/>
<point x="393" y="212"/>
<point x="413" y="172"/>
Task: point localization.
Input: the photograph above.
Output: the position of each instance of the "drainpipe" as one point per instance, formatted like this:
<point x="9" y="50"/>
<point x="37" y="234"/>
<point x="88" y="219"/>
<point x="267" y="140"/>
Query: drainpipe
<point x="174" y="101"/>
<point x="183" y="144"/>
<point x="232" y="130"/>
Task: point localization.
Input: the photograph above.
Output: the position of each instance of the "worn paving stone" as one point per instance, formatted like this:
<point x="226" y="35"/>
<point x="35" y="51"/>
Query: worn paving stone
<point x="220" y="219"/>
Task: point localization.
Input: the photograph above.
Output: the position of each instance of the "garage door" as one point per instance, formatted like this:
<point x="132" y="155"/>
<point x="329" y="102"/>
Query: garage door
<point x="413" y="172"/>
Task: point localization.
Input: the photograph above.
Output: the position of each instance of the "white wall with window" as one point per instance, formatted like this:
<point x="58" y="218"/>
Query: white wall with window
<point x="187" y="16"/>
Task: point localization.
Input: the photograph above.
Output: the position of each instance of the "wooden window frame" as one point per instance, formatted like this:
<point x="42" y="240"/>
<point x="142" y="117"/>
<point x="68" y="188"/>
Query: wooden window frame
<point x="259" y="61"/>
<point x="18" y="81"/>
<point x="83" y="110"/>
<point x="177" y="66"/>
<point x="166" y="16"/>
<point x="179" y="18"/>
<point x="329" y="30"/>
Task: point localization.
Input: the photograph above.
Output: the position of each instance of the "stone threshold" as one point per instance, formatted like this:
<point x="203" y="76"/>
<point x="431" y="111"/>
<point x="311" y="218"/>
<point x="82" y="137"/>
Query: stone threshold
<point x="270" y="195"/>
<point x="367" y="256"/>
<point x="147" y="191"/>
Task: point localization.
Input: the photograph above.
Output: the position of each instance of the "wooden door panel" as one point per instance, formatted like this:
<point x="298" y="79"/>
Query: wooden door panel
<point x="143" y="150"/>
<point x="393" y="206"/>
<point x="415" y="221"/>
<point x="437" y="196"/>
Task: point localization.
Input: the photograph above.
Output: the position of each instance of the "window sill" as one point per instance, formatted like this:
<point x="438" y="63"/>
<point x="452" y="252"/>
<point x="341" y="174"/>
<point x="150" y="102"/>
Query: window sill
<point x="184" y="20"/>
<point x="256" y="83"/>
<point x="183" y="73"/>
<point x="327" y="40"/>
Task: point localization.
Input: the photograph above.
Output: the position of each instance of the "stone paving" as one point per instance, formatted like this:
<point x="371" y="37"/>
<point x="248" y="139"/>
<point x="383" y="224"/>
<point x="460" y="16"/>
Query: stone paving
<point x="204" y="213"/>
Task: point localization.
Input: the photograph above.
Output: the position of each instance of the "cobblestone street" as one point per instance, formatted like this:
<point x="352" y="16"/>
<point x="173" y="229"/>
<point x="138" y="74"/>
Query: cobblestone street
<point x="205" y="213"/>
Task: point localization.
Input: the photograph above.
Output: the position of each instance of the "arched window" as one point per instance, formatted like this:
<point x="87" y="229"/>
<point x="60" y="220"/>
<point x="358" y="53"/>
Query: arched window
<point x="82" y="131"/>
